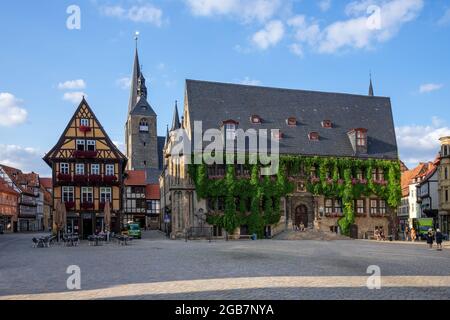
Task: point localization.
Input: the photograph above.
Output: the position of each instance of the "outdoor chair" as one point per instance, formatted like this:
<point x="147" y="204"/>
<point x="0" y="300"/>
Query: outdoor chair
<point x="91" y="240"/>
<point x="35" y="242"/>
<point x="46" y="242"/>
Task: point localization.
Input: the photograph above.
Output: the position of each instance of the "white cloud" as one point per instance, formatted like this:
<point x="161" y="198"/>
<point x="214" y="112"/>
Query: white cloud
<point x="445" y="20"/>
<point x="250" y="82"/>
<point x="362" y="30"/>
<point x="272" y="33"/>
<point x="11" y="111"/>
<point x="430" y="87"/>
<point x="325" y="5"/>
<point x="74" y="97"/>
<point x="296" y="49"/>
<point x="245" y="10"/>
<point x="24" y="158"/>
<point x="72" y="85"/>
<point x="420" y="143"/>
<point x="124" y="83"/>
<point x="145" y="13"/>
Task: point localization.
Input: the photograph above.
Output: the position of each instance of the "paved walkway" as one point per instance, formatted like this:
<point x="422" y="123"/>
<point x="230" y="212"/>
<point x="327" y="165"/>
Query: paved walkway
<point x="156" y="268"/>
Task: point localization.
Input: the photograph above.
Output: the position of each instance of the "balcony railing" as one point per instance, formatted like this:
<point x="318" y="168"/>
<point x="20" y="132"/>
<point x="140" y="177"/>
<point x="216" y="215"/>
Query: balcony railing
<point x="85" y="154"/>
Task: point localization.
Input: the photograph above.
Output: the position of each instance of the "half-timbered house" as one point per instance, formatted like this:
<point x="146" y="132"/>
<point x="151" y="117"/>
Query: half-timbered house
<point x="87" y="172"/>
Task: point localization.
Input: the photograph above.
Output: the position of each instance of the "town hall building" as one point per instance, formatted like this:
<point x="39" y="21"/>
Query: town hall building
<point x="338" y="154"/>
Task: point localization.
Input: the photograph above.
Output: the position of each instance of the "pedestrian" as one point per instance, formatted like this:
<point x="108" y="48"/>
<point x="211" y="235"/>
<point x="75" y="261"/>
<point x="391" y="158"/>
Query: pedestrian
<point x="430" y="238"/>
<point x="377" y="234"/>
<point x="302" y="226"/>
<point x="382" y="236"/>
<point x="439" y="239"/>
<point x="406" y="233"/>
<point x="413" y="234"/>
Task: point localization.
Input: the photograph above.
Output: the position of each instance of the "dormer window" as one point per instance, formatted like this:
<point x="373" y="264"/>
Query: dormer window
<point x="314" y="136"/>
<point x="361" y="137"/>
<point x="358" y="139"/>
<point x="327" y="124"/>
<point x="230" y="127"/>
<point x="255" y="119"/>
<point x="143" y="125"/>
<point x="291" y="121"/>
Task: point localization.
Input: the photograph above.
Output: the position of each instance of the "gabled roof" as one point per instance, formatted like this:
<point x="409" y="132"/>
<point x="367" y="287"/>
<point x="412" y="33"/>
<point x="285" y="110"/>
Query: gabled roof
<point x="418" y="173"/>
<point x="48" y="157"/>
<point x="25" y="182"/>
<point x="47" y="183"/>
<point x="5" y="187"/>
<point x="212" y="103"/>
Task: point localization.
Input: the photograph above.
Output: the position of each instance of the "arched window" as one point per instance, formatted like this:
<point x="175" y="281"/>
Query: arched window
<point x="143" y="125"/>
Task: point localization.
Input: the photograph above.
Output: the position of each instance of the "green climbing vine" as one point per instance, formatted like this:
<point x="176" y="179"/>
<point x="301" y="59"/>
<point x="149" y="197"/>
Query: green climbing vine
<point x="254" y="200"/>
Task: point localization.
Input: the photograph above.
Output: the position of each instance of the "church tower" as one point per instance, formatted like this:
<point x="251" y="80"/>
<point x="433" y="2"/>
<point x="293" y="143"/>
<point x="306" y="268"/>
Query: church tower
<point x="141" y="138"/>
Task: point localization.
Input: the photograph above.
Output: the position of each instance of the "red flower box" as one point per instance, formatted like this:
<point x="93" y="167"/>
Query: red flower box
<point x="84" y="154"/>
<point x="87" y="205"/>
<point x="80" y="178"/>
<point x="69" y="205"/>
<point x="64" y="177"/>
<point x="85" y="129"/>
<point x="109" y="179"/>
<point x="95" y="178"/>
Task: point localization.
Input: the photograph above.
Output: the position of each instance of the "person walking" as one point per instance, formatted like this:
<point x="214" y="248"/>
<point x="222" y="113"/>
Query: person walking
<point x="430" y="238"/>
<point x="439" y="239"/>
<point x="406" y="233"/>
<point x="413" y="234"/>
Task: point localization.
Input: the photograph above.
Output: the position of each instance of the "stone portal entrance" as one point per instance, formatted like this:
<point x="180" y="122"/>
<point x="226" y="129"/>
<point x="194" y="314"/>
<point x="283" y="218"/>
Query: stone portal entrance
<point x="301" y="216"/>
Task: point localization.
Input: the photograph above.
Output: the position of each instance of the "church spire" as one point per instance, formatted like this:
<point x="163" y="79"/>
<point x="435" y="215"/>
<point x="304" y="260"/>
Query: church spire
<point x="138" y="87"/>
<point x="176" y="118"/>
<point x="371" y="87"/>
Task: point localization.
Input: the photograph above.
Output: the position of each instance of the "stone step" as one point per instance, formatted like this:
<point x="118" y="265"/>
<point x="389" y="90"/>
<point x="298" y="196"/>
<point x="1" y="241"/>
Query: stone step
<point x="309" y="235"/>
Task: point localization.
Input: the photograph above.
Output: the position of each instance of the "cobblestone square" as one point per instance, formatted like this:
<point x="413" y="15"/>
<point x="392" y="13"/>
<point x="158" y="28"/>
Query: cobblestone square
<point x="156" y="268"/>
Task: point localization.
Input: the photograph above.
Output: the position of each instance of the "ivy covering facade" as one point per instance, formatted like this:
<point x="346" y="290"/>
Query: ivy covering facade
<point x="254" y="200"/>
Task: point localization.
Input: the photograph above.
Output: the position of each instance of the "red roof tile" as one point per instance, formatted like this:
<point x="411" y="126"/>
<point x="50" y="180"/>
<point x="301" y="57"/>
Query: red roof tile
<point x="152" y="192"/>
<point x="135" y="178"/>
<point x="25" y="181"/>
<point x="4" y="187"/>
<point x="47" y="183"/>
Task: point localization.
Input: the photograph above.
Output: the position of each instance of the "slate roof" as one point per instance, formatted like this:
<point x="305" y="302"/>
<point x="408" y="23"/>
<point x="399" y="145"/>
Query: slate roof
<point x="138" y="104"/>
<point x="212" y="103"/>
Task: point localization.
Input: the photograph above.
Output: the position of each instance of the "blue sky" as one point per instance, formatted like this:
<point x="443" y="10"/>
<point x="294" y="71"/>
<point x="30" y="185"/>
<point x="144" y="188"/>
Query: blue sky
<point x="325" y="45"/>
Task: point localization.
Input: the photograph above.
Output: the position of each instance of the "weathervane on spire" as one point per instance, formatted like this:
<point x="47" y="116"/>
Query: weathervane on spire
<point x="136" y="38"/>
